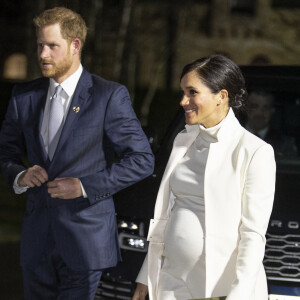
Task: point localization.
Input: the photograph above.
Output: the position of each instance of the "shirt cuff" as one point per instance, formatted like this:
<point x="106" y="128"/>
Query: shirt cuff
<point x="83" y="191"/>
<point x="19" y="189"/>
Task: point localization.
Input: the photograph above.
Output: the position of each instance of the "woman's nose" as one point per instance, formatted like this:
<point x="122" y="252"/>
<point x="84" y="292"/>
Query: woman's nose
<point x="184" y="101"/>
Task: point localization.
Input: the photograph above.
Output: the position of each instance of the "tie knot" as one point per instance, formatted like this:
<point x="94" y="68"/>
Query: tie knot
<point x="58" y="90"/>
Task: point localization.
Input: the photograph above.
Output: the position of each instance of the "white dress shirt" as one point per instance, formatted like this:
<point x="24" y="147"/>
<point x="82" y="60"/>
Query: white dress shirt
<point x="68" y="89"/>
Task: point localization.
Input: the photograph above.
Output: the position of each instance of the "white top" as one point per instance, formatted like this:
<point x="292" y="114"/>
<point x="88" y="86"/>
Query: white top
<point x="183" y="272"/>
<point x="187" y="185"/>
<point x="187" y="179"/>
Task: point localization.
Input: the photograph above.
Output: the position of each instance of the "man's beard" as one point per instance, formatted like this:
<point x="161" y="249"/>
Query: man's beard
<point x="57" y="70"/>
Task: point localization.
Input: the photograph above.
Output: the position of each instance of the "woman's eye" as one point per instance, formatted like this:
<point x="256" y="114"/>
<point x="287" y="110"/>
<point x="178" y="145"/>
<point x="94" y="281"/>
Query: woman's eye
<point x="193" y="92"/>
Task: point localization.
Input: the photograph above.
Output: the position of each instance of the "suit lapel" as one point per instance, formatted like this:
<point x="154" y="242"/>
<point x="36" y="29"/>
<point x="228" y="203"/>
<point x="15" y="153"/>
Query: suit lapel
<point x="181" y="144"/>
<point x="38" y="101"/>
<point x="80" y="97"/>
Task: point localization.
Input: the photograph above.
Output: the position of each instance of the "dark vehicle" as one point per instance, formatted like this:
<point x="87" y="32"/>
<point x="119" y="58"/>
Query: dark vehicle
<point x="135" y="205"/>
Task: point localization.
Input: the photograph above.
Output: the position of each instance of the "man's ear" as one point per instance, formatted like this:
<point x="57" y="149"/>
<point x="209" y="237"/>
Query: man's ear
<point x="76" y="46"/>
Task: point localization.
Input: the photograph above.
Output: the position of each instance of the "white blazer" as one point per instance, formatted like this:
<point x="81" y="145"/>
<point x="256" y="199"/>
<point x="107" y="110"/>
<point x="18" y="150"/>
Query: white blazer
<point x="239" y="184"/>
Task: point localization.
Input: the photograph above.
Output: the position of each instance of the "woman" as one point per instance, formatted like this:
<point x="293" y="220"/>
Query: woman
<point x="207" y="238"/>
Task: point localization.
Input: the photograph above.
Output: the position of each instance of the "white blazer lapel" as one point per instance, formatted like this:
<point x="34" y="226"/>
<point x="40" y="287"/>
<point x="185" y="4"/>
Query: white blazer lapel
<point x="181" y="144"/>
<point x="157" y="226"/>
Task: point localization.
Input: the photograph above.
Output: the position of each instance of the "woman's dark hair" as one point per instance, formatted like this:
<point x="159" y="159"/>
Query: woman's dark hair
<point x="218" y="72"/>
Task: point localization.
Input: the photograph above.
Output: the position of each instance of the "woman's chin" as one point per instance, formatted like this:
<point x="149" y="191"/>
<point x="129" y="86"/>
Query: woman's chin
<point x="189" y="121"/>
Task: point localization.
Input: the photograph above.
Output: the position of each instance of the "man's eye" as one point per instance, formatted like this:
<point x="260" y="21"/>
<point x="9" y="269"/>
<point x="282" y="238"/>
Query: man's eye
<point x="52" y="46"/>
<point x="193" y="92"/>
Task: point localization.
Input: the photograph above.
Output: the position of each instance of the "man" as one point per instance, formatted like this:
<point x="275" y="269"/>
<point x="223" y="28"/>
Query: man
<point x="260" y="113"/>
<point x="70" y="126"/>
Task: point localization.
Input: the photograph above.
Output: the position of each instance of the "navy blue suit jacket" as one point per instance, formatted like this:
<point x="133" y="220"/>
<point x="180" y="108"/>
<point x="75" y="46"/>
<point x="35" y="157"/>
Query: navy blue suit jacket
<point x="84" y="229"/>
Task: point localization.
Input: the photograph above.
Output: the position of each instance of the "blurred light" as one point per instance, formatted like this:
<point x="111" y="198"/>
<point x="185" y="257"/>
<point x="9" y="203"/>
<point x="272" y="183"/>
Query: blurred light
<point x="123" y="224"/>
<point x="15" y="67"/>
<point x="133" y="226"/>
<point x="129" y="225"/>
<point x="134" y="242"/>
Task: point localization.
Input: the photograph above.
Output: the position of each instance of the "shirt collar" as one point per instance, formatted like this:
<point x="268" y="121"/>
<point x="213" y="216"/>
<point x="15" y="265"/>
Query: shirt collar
<point x="229" y="128"/>
<point x="210" y="134"/>
<point x="225" y="130"/>
<point x="68" y="85"/>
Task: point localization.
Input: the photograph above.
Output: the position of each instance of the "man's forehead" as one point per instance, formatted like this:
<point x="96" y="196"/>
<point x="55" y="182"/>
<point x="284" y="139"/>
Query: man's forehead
<point x="49" y="30"/>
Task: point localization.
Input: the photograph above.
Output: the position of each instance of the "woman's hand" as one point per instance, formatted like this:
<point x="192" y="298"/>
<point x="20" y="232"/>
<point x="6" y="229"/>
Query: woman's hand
<point x="141" y="292"/>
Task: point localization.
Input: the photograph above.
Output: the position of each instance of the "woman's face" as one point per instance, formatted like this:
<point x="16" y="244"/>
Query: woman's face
<point x="200" y="104"/>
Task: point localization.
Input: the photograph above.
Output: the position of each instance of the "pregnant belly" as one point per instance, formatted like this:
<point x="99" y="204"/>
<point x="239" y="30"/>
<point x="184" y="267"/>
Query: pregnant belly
<point x="184" y="237"/>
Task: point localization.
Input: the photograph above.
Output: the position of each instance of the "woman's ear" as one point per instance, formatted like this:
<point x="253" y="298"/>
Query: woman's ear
<point x="222" y="96"/>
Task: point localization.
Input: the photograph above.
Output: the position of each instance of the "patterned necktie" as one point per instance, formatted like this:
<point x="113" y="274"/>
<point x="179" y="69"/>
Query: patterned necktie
<point x="56" y="117"/>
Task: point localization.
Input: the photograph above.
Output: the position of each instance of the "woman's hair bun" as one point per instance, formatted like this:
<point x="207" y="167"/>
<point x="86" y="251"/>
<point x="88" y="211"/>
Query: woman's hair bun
<point x="239" y="100"/>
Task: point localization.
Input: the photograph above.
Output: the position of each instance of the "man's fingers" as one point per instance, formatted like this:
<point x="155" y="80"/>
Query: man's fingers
<point x="42" y="175"/>
<point x="51" y="184"/>
<point x="39" y="173"/>
<point x="36" y="181"/>
<point x="53" y="189"/>
<point x="64" y="188"/>
<point x="34" y="176"/>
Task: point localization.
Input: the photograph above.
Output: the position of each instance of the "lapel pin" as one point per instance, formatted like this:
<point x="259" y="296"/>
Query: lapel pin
<point x="76" y="109"/>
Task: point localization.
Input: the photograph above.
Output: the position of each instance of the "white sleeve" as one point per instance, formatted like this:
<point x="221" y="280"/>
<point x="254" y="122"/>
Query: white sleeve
<point x="19" y="189"/>
<point x="257" y="203"/>
<point x="83" y="190"/>
<point x="143" y="274"/>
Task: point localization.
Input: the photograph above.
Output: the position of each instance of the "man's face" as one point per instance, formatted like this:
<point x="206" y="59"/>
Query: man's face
<point x="55" y="53"/>
<point x="260" y="111"/>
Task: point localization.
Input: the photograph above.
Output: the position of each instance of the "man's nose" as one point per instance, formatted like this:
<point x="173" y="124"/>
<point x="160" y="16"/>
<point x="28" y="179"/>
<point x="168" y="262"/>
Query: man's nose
<point x="44" y="52"/>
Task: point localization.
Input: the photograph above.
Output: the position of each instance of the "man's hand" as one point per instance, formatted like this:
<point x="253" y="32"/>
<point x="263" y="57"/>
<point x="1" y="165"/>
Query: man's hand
<point x="34" y="176"/>
<point x="65" y="188"/>
<point x="141" y="292"/>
